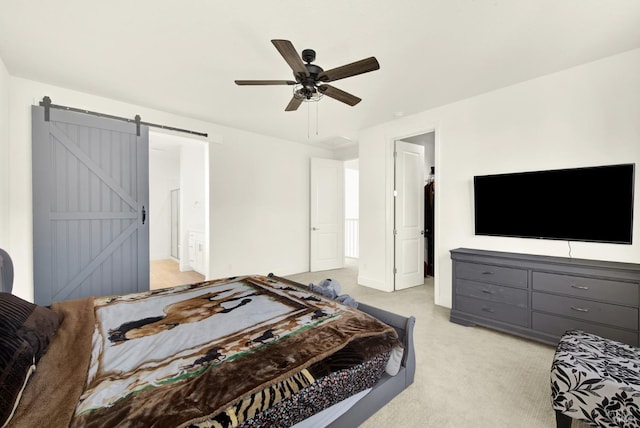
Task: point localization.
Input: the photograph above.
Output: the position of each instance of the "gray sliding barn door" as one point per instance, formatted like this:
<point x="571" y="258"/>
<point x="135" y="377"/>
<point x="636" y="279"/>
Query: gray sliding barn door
<point x="90" y="206"/>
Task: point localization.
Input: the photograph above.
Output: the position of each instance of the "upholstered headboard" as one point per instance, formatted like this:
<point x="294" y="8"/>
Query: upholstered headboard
<point x="6" y="272"/>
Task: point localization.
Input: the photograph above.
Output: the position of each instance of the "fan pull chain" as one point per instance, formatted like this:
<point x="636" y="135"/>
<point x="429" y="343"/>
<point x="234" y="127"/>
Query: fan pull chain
<point x="308" y="120"/>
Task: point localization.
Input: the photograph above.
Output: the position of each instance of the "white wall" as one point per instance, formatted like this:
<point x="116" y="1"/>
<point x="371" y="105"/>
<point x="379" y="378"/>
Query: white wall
<point x="587" y="115"/>
<point x="4" y="157"/>
<point x="259" y="187"/>
<point x="260" y="205"/>
<point x="164" y="176"/>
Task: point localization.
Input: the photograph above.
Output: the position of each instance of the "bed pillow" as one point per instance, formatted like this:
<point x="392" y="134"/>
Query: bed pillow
<point x="395" y="361"/>
<point x="26" y="330"/>
<point x="32" y="322"/>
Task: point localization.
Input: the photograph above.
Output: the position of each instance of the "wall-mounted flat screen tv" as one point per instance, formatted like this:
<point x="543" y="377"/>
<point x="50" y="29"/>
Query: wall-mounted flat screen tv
<point x="592" y="204"/>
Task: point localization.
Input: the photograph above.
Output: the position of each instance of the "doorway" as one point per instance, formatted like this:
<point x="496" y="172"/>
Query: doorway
<point x="178" y="173"/>
<point x="334" y="239"/>
<point x="351" y="211"/>
<point x="352" y="215"/>
<point x="175" y="224"/>
<point x="414" y="212"/>
<point x="326" y="215"/>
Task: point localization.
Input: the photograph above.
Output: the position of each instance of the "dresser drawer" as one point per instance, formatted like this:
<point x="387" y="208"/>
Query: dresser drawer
<point x="498" y="311"/>
<point x="495" y="293"/>
<point x="605" y="313"/>
<point x="599" y="289"/>
<point x="493" y="274"/>
<point x="556" y="326"/>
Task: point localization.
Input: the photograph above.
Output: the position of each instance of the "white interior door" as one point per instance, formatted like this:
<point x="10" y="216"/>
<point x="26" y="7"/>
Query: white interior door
<point x="327" y="214"/>
<point x="409" y="215"/>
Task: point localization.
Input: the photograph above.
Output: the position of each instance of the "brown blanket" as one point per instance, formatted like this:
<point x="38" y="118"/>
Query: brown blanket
<point x="52" y="393"/>
<point x="311" y="329"/>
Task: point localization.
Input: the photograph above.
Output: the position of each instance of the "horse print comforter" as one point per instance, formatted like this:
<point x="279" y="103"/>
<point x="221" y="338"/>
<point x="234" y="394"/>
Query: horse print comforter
<point x="228" y="352"/>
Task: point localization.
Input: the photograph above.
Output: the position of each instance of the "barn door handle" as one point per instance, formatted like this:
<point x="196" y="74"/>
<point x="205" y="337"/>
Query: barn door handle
<point x="144" y="215"/>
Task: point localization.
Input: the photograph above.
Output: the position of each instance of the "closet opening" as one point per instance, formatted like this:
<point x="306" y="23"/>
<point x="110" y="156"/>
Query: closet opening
<point x="414" y="210"/>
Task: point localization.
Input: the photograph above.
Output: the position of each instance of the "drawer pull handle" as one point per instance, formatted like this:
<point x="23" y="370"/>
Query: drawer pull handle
<point x="579" y="309"/>
<point x="490" y="310"/>
<point x="487" y="272"/>
<point x="484" y="290"/>
<point x="579" y="287"/>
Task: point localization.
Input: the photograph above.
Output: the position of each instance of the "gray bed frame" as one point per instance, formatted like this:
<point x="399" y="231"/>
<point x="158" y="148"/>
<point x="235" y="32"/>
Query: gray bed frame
<point x="382" y="392"/>
<point x="388" y="386"/>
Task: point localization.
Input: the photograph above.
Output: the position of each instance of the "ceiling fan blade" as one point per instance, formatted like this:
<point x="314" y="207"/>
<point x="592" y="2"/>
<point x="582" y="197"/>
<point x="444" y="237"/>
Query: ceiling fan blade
<point x="353" y="69"/>
<point x="265" y="82"/>
<point x="293" y="104"/>
<point x="339" y="94"/>
<point x="288" y="52"/>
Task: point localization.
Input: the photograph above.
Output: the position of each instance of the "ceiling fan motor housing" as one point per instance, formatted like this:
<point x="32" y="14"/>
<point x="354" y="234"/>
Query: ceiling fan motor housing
<point x="311" y="80"/>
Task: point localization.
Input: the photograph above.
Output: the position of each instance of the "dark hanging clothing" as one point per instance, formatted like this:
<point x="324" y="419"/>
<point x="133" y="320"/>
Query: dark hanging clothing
<point x="429" y="204"/>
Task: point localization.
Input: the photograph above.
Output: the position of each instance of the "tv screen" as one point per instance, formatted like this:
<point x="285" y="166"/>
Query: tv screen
<point x="580" y="204"/>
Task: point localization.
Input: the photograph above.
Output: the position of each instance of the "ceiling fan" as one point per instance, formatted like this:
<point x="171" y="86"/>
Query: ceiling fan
<point x="310" y="79"/>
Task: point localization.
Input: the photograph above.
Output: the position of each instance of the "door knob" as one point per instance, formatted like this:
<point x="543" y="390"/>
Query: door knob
<point x="315" y="228"/>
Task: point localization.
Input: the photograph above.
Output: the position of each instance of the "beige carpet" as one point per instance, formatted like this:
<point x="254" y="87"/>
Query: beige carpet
<point x="466" y="376"/>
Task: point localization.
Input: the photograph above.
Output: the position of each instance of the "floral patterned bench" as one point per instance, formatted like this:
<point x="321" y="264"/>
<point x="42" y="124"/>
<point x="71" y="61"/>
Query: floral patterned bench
<point x="596" y="380"/>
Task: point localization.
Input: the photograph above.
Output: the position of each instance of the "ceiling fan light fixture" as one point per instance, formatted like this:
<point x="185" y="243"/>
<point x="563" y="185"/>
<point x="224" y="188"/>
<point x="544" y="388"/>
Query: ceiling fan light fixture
<point x="306" y="94"/>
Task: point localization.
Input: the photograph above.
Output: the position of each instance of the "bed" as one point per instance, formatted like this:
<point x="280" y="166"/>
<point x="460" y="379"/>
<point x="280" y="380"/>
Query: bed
<point x="245" y="351"/>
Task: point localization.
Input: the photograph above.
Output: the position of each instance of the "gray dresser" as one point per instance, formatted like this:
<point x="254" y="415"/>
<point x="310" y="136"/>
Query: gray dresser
<point x="540" y="297"/>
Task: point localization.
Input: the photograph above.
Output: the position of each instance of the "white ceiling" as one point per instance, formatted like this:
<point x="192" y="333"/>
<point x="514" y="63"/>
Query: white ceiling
<point x="183" y="56"/>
